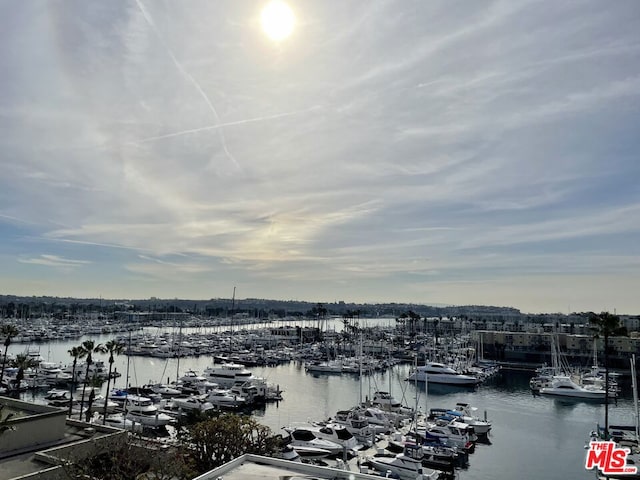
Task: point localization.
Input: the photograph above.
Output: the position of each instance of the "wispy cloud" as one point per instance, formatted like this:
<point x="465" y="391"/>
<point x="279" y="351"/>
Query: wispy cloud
<point x="54" y="261"/>
<point x="388" y="151"/>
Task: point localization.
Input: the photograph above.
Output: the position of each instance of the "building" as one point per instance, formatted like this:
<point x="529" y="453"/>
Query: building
<point x="41" y="439"/>
<point x="256" y="467"/>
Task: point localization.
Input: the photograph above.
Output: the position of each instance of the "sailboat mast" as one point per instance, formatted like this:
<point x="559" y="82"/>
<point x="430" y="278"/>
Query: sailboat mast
<point x="634" y="383"/>
<point x="179" y="352"/>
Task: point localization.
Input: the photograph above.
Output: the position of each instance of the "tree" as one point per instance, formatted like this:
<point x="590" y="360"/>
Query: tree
<point x="88" y="348"/>
<point x="135" y="458"/>
<point x="219" y="440"/>
<point x="75" y="352"/>
<point x="22" y="362"/>
<point x="7" y="331"/>
<point x="113" y="347"/>
<point x="603" y="326"/>
<point x="93" y="383"/>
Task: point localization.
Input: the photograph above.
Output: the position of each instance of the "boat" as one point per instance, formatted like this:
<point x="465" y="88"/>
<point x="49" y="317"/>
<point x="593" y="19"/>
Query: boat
<point x="332" y="366"/>
<point x="192" y="403"/>
<point x="163" y="390"/>
<point x="100" y="402"/>
<point x="191" y="380"/>
<point x="359" y="427"/>
<point x="226" y="374"/>
<point x="480" y="427"/>
<point x="407" y="465"/>
<point x="336" y="433"/>
<point x="435" y="455"/>
<point x="145" y="391"/>
<point x="306" y="438"/>
<point x="309" y="453"/>
<point x="57" y="394"/>
<point x="289" y="453"/>
<point x="142" y="410"/>
<point x="118" y="420"/>
<point x="434" y="372"/>
<point x="385" y="401"/>
<point x="52" y="374"/>
<point x="377" y="418"/>
<point x="225" y="398"/>
<point x="449" y="434"/>
<point x="564" y="387"/>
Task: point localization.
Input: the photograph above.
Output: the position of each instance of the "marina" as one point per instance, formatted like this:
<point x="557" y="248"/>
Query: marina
<point x="525" y="426"/>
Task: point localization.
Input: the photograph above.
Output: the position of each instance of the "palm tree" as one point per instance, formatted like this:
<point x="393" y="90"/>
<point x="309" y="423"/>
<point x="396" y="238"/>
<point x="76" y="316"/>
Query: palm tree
<point x="603" y="326"/>
<point x="88" y="348"/>
<point x="113" y="347"/>
<point x="94" y="382"/>
<point x="75" y="352"/>
<point x="7" y="331"/>
<point x="23" y="362"/>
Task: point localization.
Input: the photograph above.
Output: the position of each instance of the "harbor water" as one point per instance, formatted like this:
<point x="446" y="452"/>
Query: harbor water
<point x="532" y="436"/>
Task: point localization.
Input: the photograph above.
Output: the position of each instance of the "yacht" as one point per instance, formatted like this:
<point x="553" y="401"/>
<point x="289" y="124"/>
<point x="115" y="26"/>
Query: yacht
<point x="406" y="465"/>
<point x="332" y="366"/>
<point x="227" y="374"/>
<point x="225" y="398"/>
<point x="333" y="432"/>
<point x="564" y="386"/>
<point x="304" y="438"/>
<point x="191" y="403"/>
<point x="480" y="427"/>
<point x="434" y="372"/>
<point x="142" y="410"/>
<point x="385" y="401"/>
<point x="119" y="421"/>
<point x="52" y="374"/>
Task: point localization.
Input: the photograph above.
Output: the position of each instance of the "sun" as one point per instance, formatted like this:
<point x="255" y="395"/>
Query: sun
<point x="277" y="20"/>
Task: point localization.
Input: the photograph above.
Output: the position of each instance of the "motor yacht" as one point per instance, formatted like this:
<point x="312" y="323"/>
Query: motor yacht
<point x="434" y="372"/>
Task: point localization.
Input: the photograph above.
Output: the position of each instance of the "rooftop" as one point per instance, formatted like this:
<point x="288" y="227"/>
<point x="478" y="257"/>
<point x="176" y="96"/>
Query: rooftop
<point x="42" y="437"/>
<point x="256" y="467"/>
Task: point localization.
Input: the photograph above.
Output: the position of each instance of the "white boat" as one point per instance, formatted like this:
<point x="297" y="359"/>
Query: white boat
<point x="310" y="453"/>
<point x="226" y="374"/>
<point x="306" y="438"/>
<point x="386" y="401"/>
<point x="332" y="366"/>
<point x="164" y="390"/>
<point x="406" y="465"/>
<point x="434" y="372"/>
<point x="57" y="394"/>
<point x="360" y="428"/>
<point x="225" y="398"/>
<point x="119" y="421"/>
<point x="376" y="418"/>
<point x="52" y="374"/>
<point x="193" y="380"/>
<point x="480" y="427"/>
<point x="451" y="434"/>
<point x="564" y="386"/>
<point x="192" y="403"/>
<point x="289" y="453"/>
<point x="333" y="432"/>
<point x="150" y="419"/>
<point x="99" y="402"/>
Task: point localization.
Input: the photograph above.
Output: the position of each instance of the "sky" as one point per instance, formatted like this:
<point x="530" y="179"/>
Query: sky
<point x="437" y="152"/>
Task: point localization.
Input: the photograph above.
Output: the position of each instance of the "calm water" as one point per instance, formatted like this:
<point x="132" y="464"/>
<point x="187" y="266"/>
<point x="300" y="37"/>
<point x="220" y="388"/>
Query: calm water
<point x="532" y="436"/>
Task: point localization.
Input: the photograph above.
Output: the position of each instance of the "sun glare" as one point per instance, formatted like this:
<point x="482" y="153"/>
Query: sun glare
<point x="277" y="20"/>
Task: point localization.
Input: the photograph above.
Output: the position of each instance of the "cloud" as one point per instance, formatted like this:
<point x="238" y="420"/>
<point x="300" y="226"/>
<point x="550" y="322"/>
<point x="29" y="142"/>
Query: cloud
<point x="384" y="147"/>
<point x="54" y="261"/>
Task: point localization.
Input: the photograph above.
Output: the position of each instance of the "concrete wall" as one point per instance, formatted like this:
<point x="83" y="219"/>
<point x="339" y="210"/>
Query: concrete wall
<point x="35" y="425"/>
